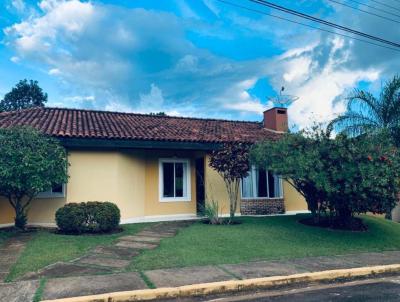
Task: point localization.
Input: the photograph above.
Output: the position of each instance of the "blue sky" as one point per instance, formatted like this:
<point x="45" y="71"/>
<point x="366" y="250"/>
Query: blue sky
<point x="198" y="58"/>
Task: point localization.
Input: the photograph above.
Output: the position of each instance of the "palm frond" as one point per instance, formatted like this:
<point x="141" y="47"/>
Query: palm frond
<point x="353" y="123"/>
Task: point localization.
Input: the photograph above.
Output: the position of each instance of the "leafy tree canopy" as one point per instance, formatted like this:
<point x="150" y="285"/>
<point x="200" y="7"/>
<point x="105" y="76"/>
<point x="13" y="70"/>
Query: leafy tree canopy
<point x="30" y="163"/>
<point x="338" y="176"/>
<point x="24" y="95"/>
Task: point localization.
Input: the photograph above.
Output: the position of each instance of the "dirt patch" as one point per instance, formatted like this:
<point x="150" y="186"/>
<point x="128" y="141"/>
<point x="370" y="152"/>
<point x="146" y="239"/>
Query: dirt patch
<point x="354" y="225"/>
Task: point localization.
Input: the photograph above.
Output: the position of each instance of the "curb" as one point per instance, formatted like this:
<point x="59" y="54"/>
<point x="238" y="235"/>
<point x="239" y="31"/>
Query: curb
<point x="233" y="285"/>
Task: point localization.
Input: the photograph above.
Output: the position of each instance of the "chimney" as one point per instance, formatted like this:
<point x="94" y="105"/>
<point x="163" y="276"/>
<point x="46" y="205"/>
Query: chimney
<point x="276" y="119"/>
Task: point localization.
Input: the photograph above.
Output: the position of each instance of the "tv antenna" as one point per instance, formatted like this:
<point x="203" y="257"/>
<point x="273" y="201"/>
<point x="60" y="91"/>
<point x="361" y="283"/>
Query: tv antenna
<point x="283" y="100"/>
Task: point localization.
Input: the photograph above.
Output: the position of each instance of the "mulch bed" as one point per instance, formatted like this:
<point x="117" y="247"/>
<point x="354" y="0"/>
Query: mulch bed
<point x="355" y="225"/>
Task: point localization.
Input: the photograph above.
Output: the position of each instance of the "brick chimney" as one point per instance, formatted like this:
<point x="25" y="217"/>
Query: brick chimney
<point x="276" y="119"/>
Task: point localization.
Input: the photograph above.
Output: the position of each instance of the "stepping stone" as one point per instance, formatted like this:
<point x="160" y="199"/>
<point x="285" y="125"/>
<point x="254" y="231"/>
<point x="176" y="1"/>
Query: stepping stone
<point x="3" y="276"/>
<point x="115" y="252"/>
<point x="101" y="261"/>
<point x="141" y="239"/>
<point x="136" y="245"/>
<point x="156" y="234"/>
<point x="18" y="291"/>
<point x="64" y="270"/>
<point x="187" y="276"/>
<point x="261" y="269"/>
<point x="91" y="285"/>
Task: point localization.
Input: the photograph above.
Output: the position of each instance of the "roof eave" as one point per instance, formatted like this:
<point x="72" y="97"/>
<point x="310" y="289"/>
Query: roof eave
<point x="93" y="143"/>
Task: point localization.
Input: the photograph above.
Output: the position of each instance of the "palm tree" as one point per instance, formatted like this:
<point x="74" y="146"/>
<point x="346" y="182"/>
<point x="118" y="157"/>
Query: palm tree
<point x="368" y="114"/>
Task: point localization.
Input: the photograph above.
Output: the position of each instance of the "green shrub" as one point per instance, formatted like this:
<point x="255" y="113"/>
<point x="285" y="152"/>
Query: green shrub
<point x="71" y="218"/>
<point x="89" y="217"/>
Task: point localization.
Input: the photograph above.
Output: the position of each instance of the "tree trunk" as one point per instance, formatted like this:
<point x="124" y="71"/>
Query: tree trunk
<point x="20" y="213"/>
<point x="344" y="216"/>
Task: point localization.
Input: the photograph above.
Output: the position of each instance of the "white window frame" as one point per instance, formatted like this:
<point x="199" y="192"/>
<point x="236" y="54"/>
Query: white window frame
<point x="186" y="198"/>
<point x="253" y="175"/>
<point x="51" y="194"/>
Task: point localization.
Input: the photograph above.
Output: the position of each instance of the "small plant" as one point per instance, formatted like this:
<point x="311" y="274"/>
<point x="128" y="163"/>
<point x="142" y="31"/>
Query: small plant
<point x="212" y="212"/>
<point x="88" y="217"/>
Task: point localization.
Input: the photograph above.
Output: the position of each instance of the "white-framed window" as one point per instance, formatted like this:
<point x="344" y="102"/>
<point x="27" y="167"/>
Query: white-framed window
<point x="261" y="184"/>
<point x="57" y="191"/>
<point x="174" y="180"/>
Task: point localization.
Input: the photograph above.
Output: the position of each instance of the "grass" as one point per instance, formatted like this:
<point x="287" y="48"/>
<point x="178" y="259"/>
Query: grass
<point x="4" y="235"/>
<point x="46" y="248"/>
<point x="263" y="238"/>
<point x="39" y="292"/>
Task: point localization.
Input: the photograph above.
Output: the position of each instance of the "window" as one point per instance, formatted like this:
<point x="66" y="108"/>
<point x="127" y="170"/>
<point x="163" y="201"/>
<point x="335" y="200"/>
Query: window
<point x="260" y="183"/>
<point x="174" y="180"/>
<point x="57" y="191"/>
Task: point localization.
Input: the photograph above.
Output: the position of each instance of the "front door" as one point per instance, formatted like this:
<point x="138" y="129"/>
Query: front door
<point x="200" y="187"/>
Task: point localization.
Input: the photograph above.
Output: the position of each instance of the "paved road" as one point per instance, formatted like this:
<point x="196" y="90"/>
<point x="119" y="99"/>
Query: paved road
<point x="376" y="290"/>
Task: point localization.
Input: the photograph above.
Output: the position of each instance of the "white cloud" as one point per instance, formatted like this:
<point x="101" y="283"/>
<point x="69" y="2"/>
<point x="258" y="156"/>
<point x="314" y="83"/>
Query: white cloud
<point x="321" y="88"/>
<point x="153" y="100"/>
<point x="15" y="59"/>
<point x="121" y="59"/>
<point x="41" y="33"/>
<point x="212" y="6"/>
<point x="19" y="5"/>
<point x="55" y="71"/>
<point x="80" y="98"/>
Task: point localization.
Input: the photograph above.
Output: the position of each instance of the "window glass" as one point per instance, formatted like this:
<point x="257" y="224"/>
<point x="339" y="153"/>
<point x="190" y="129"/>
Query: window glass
<point x="57" y="189"/>
<point x="178" y="179"/>
<point x="174" y="179"/>
<point x="247" y="186"/>
<point x="261" y="183"/>
<point x="271" y="185"/>
<point x="168" y="179"/>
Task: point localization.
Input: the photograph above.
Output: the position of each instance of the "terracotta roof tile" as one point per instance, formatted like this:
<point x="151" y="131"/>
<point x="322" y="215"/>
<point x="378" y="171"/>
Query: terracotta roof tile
<point x="79" y="123"/>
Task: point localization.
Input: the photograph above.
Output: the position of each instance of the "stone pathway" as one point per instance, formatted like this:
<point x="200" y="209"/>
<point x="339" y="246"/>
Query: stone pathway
<point x="10" y="252"/>
<point x="57" y="288"/>
<point x="101" y="270"/>
<point x="114" y="258"/>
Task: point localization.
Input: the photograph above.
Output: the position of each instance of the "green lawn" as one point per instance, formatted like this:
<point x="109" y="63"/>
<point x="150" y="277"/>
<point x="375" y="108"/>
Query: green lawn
<point x="46" y="248"/>
<point x="200" y="244"/>
<point x="265" y="238"/>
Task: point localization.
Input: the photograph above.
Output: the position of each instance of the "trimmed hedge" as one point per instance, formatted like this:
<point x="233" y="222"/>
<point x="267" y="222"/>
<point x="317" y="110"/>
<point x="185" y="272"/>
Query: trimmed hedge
<point x="88" y="217"/>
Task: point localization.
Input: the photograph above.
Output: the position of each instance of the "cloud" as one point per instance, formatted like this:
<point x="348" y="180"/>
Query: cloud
<point x="55" y="71"/>
<point x="15" y="59"/>
<point x="142" y="60"/>
<point x="19" y="5"/>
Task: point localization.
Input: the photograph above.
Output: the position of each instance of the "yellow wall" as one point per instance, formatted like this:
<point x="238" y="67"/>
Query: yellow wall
<point x="128" y="178"/>
<point x="153" y="206"/>
<point x="216" y="190"/>
<point x="294" y="201"/>
<point x="131" y="180"/>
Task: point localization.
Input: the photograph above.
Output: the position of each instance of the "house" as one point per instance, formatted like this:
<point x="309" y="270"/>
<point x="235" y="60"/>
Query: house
<point x="153" y="167"/>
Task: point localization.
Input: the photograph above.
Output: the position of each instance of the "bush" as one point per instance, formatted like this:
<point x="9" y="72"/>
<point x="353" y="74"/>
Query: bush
<point x="89" y="217"/>
<point x="71" y="218"/>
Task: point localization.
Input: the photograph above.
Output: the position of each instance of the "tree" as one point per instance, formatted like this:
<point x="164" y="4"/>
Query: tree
<point x="232" y="163"/>
<point x="295" y="157"/>
<point x="339" y="177"/>
<point x="24" y="95"/>
<point x="30" y="163"/>
<point x="369" y="114"/>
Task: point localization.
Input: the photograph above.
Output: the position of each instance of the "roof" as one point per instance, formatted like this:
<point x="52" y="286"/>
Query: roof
<point x="92" y="124"/>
